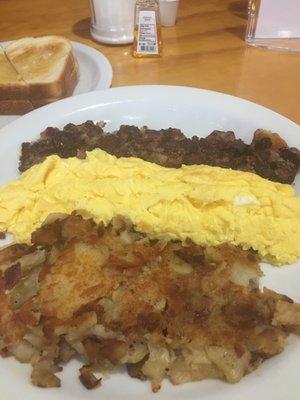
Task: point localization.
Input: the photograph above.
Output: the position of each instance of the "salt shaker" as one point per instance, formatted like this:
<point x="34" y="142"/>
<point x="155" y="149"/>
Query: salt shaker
<point x="112" y="21"/>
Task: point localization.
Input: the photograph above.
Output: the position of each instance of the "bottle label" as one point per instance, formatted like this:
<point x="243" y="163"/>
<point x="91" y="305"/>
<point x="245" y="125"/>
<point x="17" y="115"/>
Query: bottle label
<point x="147" y="33"/>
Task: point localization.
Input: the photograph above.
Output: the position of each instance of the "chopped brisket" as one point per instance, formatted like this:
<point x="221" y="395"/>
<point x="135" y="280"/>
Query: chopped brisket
<point x="267" y="155"/>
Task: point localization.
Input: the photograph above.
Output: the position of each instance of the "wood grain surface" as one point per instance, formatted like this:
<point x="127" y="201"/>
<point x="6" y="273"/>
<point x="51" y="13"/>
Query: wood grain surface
<point x="205" y="49"/>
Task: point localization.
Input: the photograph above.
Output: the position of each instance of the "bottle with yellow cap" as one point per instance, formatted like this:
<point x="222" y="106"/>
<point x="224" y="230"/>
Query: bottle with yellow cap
<point x="147" y="31"/>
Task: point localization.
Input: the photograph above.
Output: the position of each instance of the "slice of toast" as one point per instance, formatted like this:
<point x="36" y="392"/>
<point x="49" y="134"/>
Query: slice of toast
<point x="46" y="68"/>
<point x="45" y="64"/>
<point x="14" y="93"/>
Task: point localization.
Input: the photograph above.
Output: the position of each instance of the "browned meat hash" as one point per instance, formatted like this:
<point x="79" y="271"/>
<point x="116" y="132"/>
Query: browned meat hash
<point x="267" y="155"/>
<point x="111" y="296"/>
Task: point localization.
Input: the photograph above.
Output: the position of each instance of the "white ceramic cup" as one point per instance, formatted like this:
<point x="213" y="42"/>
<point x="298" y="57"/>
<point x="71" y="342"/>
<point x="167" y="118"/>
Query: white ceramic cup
<point x="112" y="21"/>
<point x="168" y="12"/>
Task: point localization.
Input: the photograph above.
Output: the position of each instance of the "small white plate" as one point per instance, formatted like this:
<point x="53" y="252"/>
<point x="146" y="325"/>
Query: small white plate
<point x="95" y="73"/>
<point x="95" y="69"/>
<point x="196" y="112"/>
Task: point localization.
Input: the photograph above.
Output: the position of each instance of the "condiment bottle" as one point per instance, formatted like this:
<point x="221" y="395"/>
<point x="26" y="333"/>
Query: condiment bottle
<point x="147" y="31"/>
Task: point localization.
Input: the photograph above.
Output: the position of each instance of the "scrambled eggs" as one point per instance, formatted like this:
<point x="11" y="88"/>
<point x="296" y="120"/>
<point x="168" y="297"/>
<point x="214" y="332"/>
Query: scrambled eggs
<point x="208" y="205"/>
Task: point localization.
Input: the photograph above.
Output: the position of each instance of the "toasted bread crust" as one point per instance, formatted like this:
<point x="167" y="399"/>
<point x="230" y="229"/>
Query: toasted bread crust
<point x="15" y="107"/>
<point x="37" y="71"/>
<point x="14" y="91"/>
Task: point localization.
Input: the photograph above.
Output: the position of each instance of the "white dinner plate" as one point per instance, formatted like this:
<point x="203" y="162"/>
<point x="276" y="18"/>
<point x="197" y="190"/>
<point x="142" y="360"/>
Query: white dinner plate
<point x="196" y="112"/>
<point x="95" y="73"/>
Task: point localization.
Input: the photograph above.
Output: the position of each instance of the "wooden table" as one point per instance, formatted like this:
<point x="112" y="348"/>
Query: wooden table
<point x="206" y="49"/>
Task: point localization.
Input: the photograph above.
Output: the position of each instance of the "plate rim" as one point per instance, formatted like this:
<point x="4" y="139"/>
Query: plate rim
<point x="100" y="60"/>
<point x="90" y="100"/>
